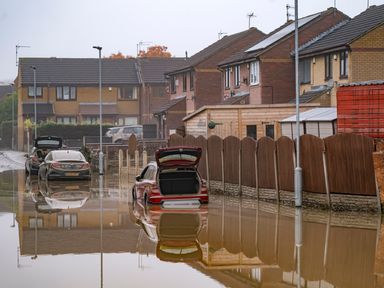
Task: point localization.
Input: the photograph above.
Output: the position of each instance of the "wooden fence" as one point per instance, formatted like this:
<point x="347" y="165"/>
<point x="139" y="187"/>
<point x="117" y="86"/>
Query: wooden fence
<point x="332" y="168"/>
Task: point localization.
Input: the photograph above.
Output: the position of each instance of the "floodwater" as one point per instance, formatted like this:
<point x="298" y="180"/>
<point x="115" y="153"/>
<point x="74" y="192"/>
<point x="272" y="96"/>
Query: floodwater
<point x="90" y="234"/>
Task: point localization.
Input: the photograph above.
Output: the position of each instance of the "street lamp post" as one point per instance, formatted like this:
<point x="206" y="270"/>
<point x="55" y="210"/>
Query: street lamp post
<point x="101" y="156"/>
<point x="298" y="171"/>
<point x="34" y="99"/>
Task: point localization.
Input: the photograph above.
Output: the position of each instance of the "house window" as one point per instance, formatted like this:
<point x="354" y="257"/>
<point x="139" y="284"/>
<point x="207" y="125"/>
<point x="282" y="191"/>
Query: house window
<point x="254" y="73"/>
<point x="252" y="131"/>
<point x="39" y="91"/>
<point x="191" y="80"/>
<point x="35" y="222"/>
<point x="172" y="81"/>
<point x="270" y="131"/>
<point x="66" y="93"/>
<point x="66" y="120"/>
<point x="127" y="121"/>
<point x="328" y="66"/>
<point x="227" y="78"/>
<point x="184" y="82"/>
<point x="91" y="119"/>
<point x="344" y="64"/>
<point x="305" y="71"/>
<point x="158" y="91"/>
<point x="67" y="220"/>
<point x="237" y="76"/>
<point x="127" y="93"/>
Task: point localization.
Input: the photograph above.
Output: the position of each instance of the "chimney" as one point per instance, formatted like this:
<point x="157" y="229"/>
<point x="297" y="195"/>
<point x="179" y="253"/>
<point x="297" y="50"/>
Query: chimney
<point x="186" y="55"/>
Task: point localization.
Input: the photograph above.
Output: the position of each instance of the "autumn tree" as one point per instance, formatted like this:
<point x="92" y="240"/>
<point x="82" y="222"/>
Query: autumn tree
<point x="155" y="51"/>
<point x="119" y="55"/>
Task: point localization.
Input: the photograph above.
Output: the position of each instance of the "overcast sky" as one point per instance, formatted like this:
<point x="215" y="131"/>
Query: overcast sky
<point x="69" y="28"/>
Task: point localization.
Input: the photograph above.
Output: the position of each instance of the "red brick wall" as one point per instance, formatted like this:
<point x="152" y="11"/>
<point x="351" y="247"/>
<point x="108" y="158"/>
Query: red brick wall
<point x="277" y="69"/>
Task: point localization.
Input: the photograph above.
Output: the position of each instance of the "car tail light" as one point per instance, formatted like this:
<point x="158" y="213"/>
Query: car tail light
<point x="84" y="166"/>
<point x="57" y="165"/>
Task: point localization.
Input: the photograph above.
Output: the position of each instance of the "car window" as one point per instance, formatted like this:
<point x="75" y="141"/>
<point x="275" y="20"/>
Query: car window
<point x="150" y="173"/>
<point x="49" y="157"/>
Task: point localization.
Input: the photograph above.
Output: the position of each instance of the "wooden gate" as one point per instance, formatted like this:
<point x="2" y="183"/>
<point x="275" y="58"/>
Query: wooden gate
<point x="202" y="142"/>
<point x="175" y="140"/>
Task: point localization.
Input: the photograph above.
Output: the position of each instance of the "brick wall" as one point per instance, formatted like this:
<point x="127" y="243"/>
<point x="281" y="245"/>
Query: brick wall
<point x="278" y="61"/>
<point x="367" y="57"/>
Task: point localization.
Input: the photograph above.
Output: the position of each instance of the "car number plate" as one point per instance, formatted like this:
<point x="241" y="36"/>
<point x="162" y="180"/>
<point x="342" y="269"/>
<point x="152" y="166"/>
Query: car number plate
<point x="181" y="204"/>
<point x="71" y="174"/>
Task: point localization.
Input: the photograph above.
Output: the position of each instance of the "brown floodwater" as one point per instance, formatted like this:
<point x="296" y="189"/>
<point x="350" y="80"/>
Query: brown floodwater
<point x="90" y="234"/>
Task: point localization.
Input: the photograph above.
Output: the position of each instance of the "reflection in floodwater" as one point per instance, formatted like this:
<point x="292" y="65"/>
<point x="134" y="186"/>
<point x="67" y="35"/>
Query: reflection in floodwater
<point x="232" y="242"/>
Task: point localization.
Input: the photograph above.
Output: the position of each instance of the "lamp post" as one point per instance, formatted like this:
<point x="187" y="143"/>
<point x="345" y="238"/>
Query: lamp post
<point x="34" y="98"/>
<point x="298" y="171"/>
<point x="100" y="115"/>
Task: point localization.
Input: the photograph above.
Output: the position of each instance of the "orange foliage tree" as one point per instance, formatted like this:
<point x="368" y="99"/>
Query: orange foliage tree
<point x="119" y="55"/>
<point x="155" y="51"/>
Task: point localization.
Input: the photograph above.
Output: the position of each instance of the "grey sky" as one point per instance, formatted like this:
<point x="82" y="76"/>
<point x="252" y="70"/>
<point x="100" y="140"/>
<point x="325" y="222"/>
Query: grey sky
<point x="69" y="28"/>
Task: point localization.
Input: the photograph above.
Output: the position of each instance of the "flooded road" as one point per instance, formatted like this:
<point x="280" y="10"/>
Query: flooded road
<point x="90" y="234"/>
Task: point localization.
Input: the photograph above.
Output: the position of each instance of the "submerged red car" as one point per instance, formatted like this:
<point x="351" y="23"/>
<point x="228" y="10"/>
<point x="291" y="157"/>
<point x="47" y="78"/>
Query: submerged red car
<point x="173" y="180"/>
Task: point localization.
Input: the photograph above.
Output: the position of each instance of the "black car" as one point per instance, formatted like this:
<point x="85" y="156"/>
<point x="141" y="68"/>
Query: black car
<point x="42" y="146"/>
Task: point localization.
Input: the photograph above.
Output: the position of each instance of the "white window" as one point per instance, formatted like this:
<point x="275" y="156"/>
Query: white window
<point x="66" y="120"/>
<point x="127" y="121"/>
<point x="237" y="76"/>
<point x="227" y="79"/>
<point x="128" y="93"/>
<point x="65" y="93"/>
<point x="254" y="72"/>
<point x="31" y="93"/>
<point x="91" y="119"/>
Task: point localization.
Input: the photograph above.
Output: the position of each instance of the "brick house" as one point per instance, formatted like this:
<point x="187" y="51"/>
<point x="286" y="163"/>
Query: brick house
<point x="265" y="69"/>
<point x="352" y="51"/>
<point x="199" y="80"/>
<point x="67" y="90"/>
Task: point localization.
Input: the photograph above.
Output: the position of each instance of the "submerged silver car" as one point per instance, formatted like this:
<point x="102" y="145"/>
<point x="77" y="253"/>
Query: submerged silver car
<point x="64" y="164"/>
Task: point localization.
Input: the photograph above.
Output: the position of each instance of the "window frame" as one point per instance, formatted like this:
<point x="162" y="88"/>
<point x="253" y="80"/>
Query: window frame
<point x="254" y="73"/>
<point x="328" y="71"/>
<point x="39" y="91"/>
<point x="236" y="77"/>
<point x="72" y="93"/>
<point x="305" y="71"/>
<point x="191" y="81"/>
<point x="227" y="78"/>
<point x="121" y="93"/>
<point x="172" y="84"/>
<point x="270" y="127"/>
<point x="70" y="117"/>
<point x="185" y="82"/>
<point x="343" y="66"/>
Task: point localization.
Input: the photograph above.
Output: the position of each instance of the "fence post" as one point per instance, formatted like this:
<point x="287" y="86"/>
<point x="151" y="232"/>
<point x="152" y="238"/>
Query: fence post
<point x="326" y="180"/>
<point x="240" y="171"/>
<point x="276" y="175"/>
<point x="222" y="167"/>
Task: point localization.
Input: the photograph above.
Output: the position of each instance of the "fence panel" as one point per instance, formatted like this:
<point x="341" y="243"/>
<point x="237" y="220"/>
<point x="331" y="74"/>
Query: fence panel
<point x="248" y="163"/>
<point x="311" y="162"/>
<point x="190" y="140"/>
<point x="202" y="142"/>
<point x="231" y="147"/>
<point x="350" y="164"/>
<point x="132" y="145"/>
<point x="175" y="140"/>
<point x="285" y="163"/>
<point x="215" y="148"/>
<point x="266" y="163"/>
